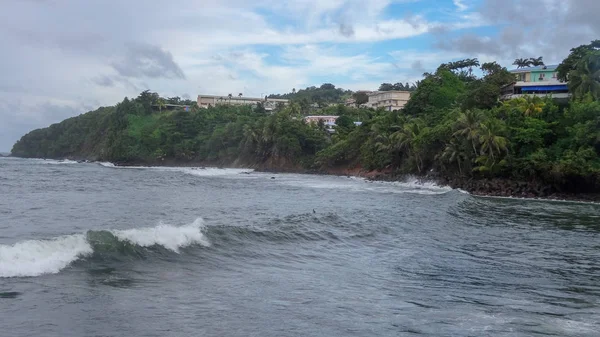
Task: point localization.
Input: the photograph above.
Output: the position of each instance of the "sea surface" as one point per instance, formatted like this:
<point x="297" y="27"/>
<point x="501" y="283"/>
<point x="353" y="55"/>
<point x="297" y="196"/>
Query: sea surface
<point x="88" y="249"/>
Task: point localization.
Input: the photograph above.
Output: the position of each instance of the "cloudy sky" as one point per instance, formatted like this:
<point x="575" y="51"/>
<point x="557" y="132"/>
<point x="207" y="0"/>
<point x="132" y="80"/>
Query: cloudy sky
<point x="60" y="58"/>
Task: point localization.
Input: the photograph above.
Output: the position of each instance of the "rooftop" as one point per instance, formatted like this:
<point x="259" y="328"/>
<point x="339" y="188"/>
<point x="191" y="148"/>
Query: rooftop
<point x="548" y="67"/>
<point x="244" y="98"/>
<point x="544" y="83"/>
<point x="373" y="93"/>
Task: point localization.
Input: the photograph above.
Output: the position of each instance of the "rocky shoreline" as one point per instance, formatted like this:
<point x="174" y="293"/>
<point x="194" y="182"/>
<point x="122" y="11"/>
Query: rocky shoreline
<point x="480" y="187"/>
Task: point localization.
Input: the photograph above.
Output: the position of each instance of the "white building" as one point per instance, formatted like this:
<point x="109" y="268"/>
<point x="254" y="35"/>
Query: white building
<point x="204" y="101"/>
<point x="329" y="121"/>
<point x="390" y="100"/>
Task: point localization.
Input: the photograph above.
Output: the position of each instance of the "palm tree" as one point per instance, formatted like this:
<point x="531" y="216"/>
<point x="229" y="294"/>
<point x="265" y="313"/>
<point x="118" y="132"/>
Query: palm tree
<point x="230" y="96"/>
<point x="293" y="90"/>
<point x="161" y="104"/>
<point x="468" y="126"/>
<point x="240" y="94"/>
<point x="454" y="153"/>
<point x="536" y="61"/>
<point x="520" y="63"/>
<point x="531" y="106"/>
<point x="492" y="144"/>
<point x="586" y="76"/>
<point x="407" y="140"/>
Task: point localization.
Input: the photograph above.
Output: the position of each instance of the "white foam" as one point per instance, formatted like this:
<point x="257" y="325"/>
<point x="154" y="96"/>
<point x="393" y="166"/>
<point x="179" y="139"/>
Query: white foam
<point x="60" y="162"/>
<point x="168" y="236"/>
<point x="196" y="171"/>
<point x="213" y="171"/>
<point x="357" y="184"/>
<point x="414" y="185"/>
<point x="106" y="164"/>
<point x="536" y="199"/>
<point x="37" y="257"/>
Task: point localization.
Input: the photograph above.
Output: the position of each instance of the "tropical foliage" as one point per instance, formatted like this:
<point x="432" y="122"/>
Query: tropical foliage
<point x="453" y="125"/>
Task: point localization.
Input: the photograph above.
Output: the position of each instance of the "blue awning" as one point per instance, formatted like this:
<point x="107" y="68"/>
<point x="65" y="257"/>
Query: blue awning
<point x="545" y="88"/>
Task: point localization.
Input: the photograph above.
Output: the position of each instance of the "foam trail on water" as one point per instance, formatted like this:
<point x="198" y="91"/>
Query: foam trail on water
<point x="213" y="171"/>
<point x="196" y="171"/>
<point x="38" y="257"/>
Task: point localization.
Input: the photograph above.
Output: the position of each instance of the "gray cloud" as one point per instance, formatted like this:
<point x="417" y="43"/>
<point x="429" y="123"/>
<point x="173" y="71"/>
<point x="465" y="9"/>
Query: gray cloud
<point x="418" y="66"/>
<point x="104" y="81"/>
<point x="549" y="29"/>
<point x="114" y="81"/>
<point x="471" y="43"/>
<point x="412" y="20"/>
<point x="346" y="29"/>
<point x="145" y="60"/>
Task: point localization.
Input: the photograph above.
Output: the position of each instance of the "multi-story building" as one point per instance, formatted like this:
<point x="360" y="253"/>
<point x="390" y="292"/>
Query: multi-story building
<point x="389" y="100"/>
<point x="204" y="101"/>
<point x="537" y="81"/>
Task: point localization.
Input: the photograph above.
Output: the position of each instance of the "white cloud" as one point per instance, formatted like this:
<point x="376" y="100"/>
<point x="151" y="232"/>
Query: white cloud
<point x="62" y="57"/>
<point x="460" y="5"/>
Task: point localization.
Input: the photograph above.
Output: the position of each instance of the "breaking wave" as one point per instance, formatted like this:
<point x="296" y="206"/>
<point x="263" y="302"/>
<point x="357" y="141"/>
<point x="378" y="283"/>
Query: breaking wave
<point x="38" y="257"/>
<point x="106" y="164"/>
<point x="411" y="185"/>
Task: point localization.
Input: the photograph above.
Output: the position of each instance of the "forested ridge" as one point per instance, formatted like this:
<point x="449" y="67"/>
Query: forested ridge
<point x="453" y="128"/>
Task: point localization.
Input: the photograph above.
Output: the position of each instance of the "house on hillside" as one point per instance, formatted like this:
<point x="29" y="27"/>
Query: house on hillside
<point x="538" y="81"/>
<point x="204" y="101"/>
<point x="329" y="121"/>
<point x="389" y="100"/>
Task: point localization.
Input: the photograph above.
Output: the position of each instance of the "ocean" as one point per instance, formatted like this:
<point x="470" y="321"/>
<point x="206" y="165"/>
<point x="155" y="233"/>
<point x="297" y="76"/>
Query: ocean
<point x="89" y="249"/>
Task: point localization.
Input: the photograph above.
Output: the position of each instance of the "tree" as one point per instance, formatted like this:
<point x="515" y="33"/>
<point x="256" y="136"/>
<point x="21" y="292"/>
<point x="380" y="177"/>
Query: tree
<point x="437" y="91"/>
<point x="161" y="104"/>
<point x="344" y="121"/>
<point x="469" y="127"/>
<point x="536" y="61"/>
<point x="230" y="96"/>
<point x="407" y="140"/>
<point x="386" y="87"/>
<point x="491" y="68"/>
<point x="360" y="98"/>
<point x="462" y="68"/>
<point x="531" y="106"/>
<point x="454" y="153"/>
<point x="240" y="94"/>
<point x="522" y="63"/>
<point x="585" y="78"/>
<point x="574" y="57"/>
<point x="492" y="143"/>
<point x="147" y="99"/>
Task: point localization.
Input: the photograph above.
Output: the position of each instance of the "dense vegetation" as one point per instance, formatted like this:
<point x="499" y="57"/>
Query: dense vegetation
<point x="454" y="125"/>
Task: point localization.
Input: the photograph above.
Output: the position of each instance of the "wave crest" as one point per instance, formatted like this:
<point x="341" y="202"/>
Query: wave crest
<point x="38" y="257"/>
